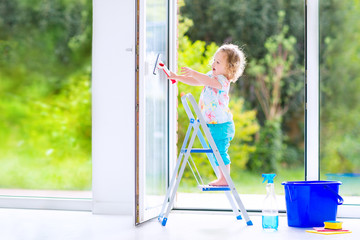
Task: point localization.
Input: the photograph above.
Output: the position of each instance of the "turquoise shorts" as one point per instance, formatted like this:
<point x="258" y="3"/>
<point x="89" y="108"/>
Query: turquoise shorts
<point x="222" y="134"/>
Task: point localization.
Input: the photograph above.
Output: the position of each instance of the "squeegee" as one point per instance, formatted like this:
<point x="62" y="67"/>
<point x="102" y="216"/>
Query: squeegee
<point x="160" y="65"/>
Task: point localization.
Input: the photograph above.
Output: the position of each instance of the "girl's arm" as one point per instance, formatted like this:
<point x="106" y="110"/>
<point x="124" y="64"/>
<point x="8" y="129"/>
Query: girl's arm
<point x="184" y="79"/>
<point x="194" y="78"/>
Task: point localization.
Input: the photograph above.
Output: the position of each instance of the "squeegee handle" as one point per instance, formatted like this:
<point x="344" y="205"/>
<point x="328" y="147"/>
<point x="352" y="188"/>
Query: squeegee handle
<point x="167" y="72"/>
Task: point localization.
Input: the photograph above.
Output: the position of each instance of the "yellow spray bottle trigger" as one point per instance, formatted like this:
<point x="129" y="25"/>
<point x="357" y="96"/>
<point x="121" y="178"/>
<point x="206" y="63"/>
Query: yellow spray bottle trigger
<point x="269" y="177"/>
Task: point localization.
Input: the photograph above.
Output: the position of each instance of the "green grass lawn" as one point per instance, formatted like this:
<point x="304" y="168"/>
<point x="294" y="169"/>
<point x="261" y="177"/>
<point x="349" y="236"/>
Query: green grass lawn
<point x="45" y="136"/>
<point x="19" y="172"/>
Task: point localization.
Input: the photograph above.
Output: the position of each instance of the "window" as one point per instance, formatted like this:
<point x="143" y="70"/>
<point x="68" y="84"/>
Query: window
<point x="339" y="103"/>
<point x="267" y="102"/>
<point x="153" y="117"/>
<point x="45" y="98"/>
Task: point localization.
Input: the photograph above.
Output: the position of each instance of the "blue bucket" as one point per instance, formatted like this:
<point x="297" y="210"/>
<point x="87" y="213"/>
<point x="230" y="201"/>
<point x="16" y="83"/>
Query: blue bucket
<point x="311" y="203"/>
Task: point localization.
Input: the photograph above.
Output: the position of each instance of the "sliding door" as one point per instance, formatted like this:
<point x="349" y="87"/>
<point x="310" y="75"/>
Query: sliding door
<point x="339" y="23"/>
<point x="152" y="100"/>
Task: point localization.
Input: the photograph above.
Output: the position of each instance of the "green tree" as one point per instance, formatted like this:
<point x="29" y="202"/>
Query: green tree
<point x="44" y="38"/>
<point x="246" y="127"/>
<point x="249" y="23"/>
<point x="45" y="98"/>
<point x="197" y="55"/>
<point x="274" y="89"/>
<point x="340" y="86"/>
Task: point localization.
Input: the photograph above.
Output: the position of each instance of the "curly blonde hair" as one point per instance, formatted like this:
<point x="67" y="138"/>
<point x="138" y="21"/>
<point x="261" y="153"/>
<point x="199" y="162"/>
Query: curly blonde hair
<point x="236" y="61"/>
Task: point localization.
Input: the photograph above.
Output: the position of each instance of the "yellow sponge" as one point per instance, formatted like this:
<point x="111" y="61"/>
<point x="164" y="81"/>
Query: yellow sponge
<point x="333" y="225"/>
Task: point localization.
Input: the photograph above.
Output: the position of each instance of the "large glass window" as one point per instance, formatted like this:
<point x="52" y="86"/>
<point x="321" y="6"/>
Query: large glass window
<point x="339" y="95"/>
<point x="45" y="98"/>
<point x="153" y="114"/>
<point x="267" y="102"/>
<point x="156" y="112"/>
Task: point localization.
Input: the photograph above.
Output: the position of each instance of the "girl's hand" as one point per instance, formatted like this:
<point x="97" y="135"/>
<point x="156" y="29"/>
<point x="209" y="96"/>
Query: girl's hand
<point x="172" y="77"/>
<point x="187" y="72"/>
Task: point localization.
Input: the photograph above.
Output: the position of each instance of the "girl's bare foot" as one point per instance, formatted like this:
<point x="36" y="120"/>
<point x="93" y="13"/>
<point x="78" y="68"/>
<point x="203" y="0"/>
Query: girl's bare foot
<point x="219" y="182"/>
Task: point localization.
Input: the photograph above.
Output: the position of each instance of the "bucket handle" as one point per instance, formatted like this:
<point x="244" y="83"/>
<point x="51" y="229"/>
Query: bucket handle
<point x="339" y="199"/>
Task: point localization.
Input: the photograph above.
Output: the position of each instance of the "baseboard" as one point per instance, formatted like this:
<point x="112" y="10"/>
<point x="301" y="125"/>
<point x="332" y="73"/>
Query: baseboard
<point x="46" y="203"/>
<point x="112" y="208"/>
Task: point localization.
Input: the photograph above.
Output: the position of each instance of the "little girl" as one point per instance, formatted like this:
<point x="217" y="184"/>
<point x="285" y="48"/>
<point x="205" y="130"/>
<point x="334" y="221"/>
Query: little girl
<point x="228" y="65"/>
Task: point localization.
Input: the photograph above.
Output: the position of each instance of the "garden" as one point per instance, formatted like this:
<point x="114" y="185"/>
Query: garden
<point x="45" y="88"/>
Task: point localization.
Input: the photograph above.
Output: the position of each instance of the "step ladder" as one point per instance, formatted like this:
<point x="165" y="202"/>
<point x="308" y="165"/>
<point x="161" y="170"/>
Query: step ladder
<point x="210" y="150"/>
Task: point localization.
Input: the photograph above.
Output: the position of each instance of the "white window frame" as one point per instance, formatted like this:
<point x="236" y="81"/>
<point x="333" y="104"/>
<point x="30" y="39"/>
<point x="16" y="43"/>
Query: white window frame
<point x="173" y="91"/>
<point x="312" y="91"/>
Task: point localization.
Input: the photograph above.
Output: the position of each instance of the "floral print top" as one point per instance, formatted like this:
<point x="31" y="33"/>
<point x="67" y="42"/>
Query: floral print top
<point x="214" y="103"/>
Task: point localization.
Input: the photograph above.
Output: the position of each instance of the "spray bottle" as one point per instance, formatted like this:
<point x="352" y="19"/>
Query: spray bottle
<point x="270" y="214"/>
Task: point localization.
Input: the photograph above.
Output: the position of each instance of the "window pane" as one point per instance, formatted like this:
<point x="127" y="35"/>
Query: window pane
<point x="156" y="107"/>
<point x="339" y="89"/>
<point x="267" y="102"/>
<point x="45" y="98"/>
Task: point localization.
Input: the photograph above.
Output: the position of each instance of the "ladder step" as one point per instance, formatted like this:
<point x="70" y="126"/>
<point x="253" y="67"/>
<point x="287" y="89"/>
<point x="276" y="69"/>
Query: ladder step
<point x="198" y="150"/>
<point x="208" y="188"/>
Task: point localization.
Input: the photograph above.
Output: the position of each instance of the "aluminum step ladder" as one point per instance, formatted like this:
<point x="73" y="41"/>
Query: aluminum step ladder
<point x="183" y="159"/>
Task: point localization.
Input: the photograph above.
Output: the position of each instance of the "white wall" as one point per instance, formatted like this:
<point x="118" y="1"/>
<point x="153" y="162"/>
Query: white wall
<point x="113" y="111"/>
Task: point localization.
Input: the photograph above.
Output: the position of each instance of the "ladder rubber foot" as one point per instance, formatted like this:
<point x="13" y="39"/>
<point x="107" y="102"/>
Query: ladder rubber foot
<point x="249" y="223"/>
<point x="164" y="221"/>
<point x="159" y="218"/>
<point x="238" y="217"/>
